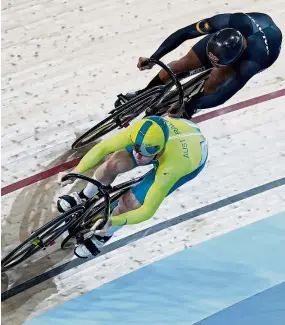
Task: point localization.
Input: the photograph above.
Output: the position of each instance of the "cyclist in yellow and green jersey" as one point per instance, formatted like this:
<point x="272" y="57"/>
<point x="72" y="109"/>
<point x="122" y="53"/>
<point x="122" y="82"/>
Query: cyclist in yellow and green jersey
<point x="175" y="147"/>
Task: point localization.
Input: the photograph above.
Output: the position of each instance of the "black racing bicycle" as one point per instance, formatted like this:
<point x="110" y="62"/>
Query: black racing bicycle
<point x="75" y="222"/>
<point x="154" y="101"/>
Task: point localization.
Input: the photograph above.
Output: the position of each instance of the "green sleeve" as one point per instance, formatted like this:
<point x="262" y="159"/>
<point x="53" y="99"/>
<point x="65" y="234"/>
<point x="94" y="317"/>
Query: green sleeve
<point x="154" y="197"/>
<point x="117" y="142"/>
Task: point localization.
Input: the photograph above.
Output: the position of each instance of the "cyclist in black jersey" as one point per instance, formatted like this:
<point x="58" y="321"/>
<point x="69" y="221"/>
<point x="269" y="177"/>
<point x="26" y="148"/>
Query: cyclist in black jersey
<point x="237" y="46"/>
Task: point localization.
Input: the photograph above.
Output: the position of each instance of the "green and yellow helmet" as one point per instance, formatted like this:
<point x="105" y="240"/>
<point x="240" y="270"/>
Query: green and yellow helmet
<point x="149" y="136"/>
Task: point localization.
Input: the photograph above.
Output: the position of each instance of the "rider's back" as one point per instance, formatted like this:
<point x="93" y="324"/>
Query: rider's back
<point x="262" y="35"/>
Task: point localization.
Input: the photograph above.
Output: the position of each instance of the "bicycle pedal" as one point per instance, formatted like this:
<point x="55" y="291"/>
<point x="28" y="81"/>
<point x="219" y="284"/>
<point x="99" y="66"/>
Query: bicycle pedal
<point x="83" y="235"/>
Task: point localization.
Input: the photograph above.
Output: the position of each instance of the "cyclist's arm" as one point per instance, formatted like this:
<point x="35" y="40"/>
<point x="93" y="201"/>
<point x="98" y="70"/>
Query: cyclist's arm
<point x="154" y="197"/>
<point x="200" y="28"/>
<point x="223" y="93"/>
<point x="117" y="142"/>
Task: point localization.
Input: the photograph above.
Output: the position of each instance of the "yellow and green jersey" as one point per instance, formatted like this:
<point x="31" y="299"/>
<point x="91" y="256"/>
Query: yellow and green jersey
<point x="184" y="157"/>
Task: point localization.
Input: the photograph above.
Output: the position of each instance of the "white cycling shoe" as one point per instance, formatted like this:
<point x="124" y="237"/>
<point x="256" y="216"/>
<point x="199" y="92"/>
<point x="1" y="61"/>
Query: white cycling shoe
<point x="92" y="246"/>
<point x="66" y="202"/>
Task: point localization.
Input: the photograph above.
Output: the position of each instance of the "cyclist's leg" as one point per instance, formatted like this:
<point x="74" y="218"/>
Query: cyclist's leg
<point x="120" y="162"/>
<point x="134" y="198"/>
<point x="188" y="62"/>
<point x="131" y="200"/>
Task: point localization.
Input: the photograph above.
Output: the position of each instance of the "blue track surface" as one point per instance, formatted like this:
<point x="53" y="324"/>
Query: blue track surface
<point x="193" y="285"/>
<point x="267" y="307"/>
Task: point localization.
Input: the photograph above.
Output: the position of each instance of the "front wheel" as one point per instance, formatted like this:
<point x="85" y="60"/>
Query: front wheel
<point x="41" y="238"/>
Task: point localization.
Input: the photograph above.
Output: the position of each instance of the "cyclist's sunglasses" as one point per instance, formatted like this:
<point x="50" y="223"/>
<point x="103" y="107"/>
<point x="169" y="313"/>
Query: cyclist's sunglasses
<point x="145" y="151"/>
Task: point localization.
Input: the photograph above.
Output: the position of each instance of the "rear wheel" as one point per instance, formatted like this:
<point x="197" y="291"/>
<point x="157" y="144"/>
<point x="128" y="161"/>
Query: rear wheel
<point x="119" y="117"/>
<point x="99" y="130"/>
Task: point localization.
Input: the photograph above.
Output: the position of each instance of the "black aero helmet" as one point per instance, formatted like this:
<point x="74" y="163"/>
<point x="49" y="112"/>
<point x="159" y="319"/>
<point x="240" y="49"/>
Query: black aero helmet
<point x="225" y="46"/>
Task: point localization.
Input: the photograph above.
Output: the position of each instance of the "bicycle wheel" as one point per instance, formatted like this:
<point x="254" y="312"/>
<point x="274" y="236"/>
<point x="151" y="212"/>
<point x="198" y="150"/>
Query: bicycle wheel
<point x="41" y="238"/>
<point x="97" y="131"/>
<point x="119" y="117"/>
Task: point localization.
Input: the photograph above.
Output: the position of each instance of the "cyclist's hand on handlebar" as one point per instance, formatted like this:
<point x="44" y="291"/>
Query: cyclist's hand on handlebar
<point x="175" y="110"/>
<point x="143" y="65"/>
<point x="64" y="183"/>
